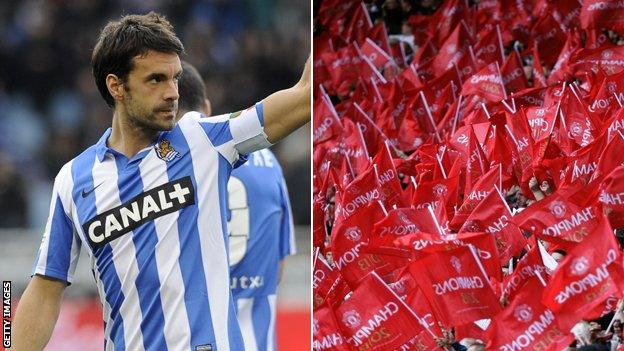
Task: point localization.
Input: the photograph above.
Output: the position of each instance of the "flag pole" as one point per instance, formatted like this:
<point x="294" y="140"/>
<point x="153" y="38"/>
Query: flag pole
<point x="473" y="250"/>
<point x="442" y="233"/>
<point x="456" y="118"/>
<point x="370" y="159"/>
<point x="424" y="100"/>
<point x="501" y="79"/>
<point x="500" y="44"/>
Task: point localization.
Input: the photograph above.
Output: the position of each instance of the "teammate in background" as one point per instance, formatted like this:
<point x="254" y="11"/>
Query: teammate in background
<point x="260" y="228"/>
<point x="148" y="202"/>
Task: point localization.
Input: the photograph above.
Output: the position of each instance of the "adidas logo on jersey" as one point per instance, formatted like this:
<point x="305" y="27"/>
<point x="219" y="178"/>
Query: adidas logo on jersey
<point x="147" y="206"/>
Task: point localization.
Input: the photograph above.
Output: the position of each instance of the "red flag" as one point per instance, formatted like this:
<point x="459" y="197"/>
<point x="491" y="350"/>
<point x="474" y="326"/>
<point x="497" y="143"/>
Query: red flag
<point x="466" y="66"/>
<point x="612" y="197"/>
<point x="541" y="120"/>
<point x="513" y="73"/>
<point x="376" y="55"/>
<point x="602" y="14"/>
<point x="567" y="13"/>
<point x="548" y="38"/>
<point x="410" y="76"/>
<point x="406" y="287"/>
<point x="561" y="70"/>
<point x="520" y="132"/>
<point x="329" y="288"/>
<point x="561" y="217"/>
<point x="584" y="164"/>
<point x="379" y="35"/>
<point x="327" y="125"/>
<point x="389" y="183"/>
<point x="607" y="58"/>
<point x="455" y="286"/>
<point x="334" y="9"/>
<point x="435" y="193"/>
<point x="342" y="67"/>
<point x="322" y="44"/>
<point x="424" y="53"/>
<point x="452" y="50"/>
<point x="403" y="221"/>
<point x="370" y="131"/>
<point x="603" y="94"/>
<point x="397" y="51"/>
<point x="358" y="25"/>
<point x="374" y="318"/>
<point x="614" y="124"/>
<point x="498" y="148"/>
<point x="447" y="17"/>
<point x="528" y="266"/>
<point x="486" y="83"/>
<point x="347" y="238"/>
<point x="419" y="25"/>
<point x="581" y="125"/>
<point x="438" y="85"/>
<point x="589" y="274"/>
<point x="595" y="38"/>
<point x="609" y="305"/>
<point x="424" y="243"/>
<point x="488" y="48"/>
<point x="474" y="195"/>
<point x="477" y="163"/>
<point x="361" y="192"/>
<point x="493" y="216"/>
<point x="539" y="80"/>
<point x="319" y="223"/>
<point x="326" y="333"/>
<point x="486" y="249"/>
<point x="526" y="324"/>
<point x="611" y="156"/>
<point x="353" y="148"/>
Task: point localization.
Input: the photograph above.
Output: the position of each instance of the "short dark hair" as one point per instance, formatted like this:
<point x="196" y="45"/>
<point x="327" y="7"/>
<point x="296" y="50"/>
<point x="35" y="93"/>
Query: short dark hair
<point x="131" y="36"/>
<point x="191" y="88"/>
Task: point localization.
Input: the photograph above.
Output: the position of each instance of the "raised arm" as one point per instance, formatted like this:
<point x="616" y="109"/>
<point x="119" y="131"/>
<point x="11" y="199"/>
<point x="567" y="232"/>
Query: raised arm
<point x="288" y="109"/>
<point x="36" y="314"/>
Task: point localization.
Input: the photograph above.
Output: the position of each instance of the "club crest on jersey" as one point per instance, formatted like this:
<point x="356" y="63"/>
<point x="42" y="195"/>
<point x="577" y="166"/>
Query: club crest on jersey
<point x="165" y="151"/>
<point x="149" y="205"/>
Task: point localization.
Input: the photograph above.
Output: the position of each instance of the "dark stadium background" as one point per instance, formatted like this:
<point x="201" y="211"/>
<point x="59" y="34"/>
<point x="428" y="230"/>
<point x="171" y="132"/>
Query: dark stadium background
<point x="50" y="110"/>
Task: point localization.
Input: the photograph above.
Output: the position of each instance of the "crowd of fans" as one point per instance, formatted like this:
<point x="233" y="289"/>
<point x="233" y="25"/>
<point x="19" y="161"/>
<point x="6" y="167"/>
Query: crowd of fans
<point x="50" y="108"/>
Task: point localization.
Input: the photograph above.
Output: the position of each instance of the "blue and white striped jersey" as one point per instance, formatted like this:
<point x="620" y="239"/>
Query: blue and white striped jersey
<point x="155" y="230"/>
<point x="261" y="235"/>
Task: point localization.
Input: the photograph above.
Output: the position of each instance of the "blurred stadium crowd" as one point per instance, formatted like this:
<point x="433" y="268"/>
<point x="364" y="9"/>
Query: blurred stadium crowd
<point x="50" y="109"/>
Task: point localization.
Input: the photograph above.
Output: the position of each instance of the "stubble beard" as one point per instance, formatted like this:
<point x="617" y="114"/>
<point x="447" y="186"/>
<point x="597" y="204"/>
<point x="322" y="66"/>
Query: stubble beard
<point x="145" y="120"/>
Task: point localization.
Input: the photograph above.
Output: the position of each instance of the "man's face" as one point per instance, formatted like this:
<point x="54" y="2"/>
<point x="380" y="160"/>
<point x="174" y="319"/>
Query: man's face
<point x="151" y="91"/>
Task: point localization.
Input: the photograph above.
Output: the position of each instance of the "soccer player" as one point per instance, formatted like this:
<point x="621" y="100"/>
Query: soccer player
<point x="148" y="202"/>
<point x="260" y="228"/>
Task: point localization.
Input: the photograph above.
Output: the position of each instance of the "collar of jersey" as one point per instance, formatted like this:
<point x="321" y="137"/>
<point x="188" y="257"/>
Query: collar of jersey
<point x="101" y="148"/>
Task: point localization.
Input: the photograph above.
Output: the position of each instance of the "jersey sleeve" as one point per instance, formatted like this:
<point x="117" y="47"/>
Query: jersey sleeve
<point x="60" y="247"/>
<point x="287" y="230"/>
<point x="236" y="135"/>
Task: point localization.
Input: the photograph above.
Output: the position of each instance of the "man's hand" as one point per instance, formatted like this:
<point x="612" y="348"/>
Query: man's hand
<point x="289" y="109"/>
<point x="36" y="314"/>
